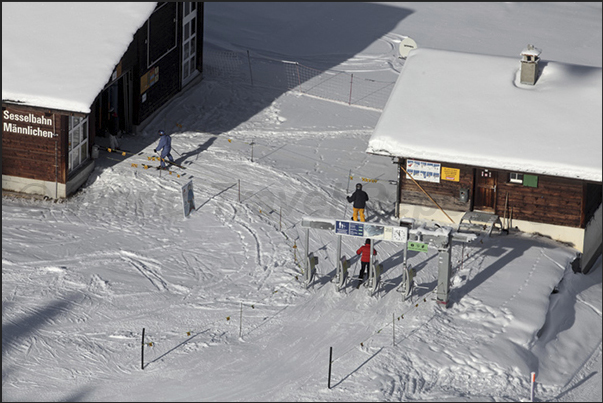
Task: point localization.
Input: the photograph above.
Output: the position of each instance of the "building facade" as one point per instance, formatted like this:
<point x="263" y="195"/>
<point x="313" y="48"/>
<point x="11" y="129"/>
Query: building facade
<point x="565" y="209"/>
<point x="520" y="139"/>
<point x="48" y="151"/>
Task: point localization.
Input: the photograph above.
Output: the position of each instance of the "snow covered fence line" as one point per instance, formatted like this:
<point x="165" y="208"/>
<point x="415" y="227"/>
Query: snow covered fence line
<point x="411" y="309"/>
<point x="210" y="328"/>
<point x="334" y="85"/>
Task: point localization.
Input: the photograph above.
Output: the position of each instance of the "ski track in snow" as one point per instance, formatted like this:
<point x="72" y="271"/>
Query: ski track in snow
<point x="121" y="257"/>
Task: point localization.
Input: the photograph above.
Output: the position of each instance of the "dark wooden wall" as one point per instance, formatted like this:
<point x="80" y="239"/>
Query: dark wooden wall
<point x="445" y="193"/>
<point x="164" y="30"/>
<point x="556" y="200"/>
<point x="166" y="27"/>
<point x="34" y="157"/>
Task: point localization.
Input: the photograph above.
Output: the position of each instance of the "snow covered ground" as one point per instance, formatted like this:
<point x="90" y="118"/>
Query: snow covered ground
<point x="220" y="294"/>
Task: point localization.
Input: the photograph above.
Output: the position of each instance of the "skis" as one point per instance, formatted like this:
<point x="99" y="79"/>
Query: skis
<point x="113" y="150"/>
<point x="173" y="163"/>
<point x="166" y="168"/>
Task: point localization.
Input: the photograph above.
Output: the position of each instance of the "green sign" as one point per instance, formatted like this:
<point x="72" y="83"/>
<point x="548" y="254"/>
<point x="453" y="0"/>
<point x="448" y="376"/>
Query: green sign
<point x="530" y="180"/>
<point x="417" y="246"/>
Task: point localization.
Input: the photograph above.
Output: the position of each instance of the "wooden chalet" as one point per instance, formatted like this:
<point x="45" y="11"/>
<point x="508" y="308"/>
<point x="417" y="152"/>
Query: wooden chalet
<point x="474" y="133"/>
<point x="47" y="140"/>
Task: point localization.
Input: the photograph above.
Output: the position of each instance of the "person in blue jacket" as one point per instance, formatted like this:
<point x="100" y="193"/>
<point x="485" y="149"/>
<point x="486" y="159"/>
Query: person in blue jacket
<point x="165" y="146"/>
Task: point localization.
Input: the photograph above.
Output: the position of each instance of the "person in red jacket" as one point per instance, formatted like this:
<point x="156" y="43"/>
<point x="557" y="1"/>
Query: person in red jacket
<point x="365" y="259"/>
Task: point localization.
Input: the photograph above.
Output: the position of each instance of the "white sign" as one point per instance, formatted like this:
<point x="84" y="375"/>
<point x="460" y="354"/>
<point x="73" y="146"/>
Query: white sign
<point x="423" y="171"/>
<point x="33" y="124"/>
<point x="373" y="231"/>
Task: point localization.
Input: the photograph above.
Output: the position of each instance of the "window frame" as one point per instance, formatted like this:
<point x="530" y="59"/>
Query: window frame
<point x="153" y="62"/>
<point x="518" y="179"/>
<point x="78" y="152"/>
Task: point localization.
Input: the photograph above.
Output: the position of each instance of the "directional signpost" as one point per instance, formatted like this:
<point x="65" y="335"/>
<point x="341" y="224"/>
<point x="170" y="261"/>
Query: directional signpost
<point x="419" y="240"/>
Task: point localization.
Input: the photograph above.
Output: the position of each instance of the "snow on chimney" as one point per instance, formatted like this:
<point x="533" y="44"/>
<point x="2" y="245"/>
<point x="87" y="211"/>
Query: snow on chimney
<point x="529" y="65"/>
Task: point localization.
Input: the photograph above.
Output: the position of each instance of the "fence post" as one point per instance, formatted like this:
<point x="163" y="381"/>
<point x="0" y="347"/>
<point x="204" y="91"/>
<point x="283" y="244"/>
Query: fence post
<point x="298" y="77"/>
<point x="142" y="353"/>
<point x="351" y="82"/>
<point x="533" y="377"/>
<point x="394" y="329"/>
<point x="250" y="73"/>
<point x="241" y="321"/>
<point x="330" y="362"/>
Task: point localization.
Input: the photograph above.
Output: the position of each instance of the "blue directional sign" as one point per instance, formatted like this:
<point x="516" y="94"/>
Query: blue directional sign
<point x="342" y="227"/>
<point x="369" y="230"/>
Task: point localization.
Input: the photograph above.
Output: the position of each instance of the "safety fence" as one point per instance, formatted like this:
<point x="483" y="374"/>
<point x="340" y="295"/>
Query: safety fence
<point x="354" y="89"/>
<point x="170" y="340"/>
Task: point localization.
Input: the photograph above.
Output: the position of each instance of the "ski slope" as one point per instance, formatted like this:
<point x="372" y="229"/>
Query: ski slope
<point x="220" y="293"/>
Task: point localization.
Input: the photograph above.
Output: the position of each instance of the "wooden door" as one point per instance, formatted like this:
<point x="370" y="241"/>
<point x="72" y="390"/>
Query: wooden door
<point x="485" y="190"/>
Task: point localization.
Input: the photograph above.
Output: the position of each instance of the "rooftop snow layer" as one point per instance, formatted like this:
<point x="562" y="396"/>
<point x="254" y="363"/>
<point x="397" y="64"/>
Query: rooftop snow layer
<point x="471" y="109"/>
<point x="64" y="61"/>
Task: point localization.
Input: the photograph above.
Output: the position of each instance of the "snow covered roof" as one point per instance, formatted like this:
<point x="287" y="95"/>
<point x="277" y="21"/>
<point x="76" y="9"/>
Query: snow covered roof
<point x="471" y="109"/>
<point x="61" y="55"/>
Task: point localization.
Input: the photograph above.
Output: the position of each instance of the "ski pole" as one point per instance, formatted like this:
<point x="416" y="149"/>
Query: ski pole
<point x="347" y="190"/>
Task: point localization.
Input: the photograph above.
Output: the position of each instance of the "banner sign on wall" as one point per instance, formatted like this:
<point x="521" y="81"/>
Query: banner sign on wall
<point x="451" y="174"/>
<point x="423" y="171"/>
<point x="32" y="124"/>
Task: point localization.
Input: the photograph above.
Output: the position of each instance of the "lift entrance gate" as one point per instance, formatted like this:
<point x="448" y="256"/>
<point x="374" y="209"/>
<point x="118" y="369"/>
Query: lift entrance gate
<point x="414" y="239"/>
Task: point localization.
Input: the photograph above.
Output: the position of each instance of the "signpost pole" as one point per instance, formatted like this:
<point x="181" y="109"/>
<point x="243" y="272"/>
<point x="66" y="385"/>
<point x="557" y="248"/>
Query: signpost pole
<point x="307" y="253"/>
<point x="444" y="271"/>
<point x="371" y="268"/>
<point x="338" y="261"/>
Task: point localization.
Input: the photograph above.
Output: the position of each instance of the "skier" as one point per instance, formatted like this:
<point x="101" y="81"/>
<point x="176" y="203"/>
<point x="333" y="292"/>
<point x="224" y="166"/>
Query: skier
<point x="359" y="197"/>
<point x="165" y="145"/>
<point x="365" y="260"/>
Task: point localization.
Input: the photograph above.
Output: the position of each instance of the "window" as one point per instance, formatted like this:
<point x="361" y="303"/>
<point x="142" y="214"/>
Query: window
<point x="161" y="32"/>
<point x="78" y="141"/>
<point x="189" y="43"/>
<point x="515" y="177"/>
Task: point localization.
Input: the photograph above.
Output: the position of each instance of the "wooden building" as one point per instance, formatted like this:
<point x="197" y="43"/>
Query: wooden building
<point x="163" y="58"/>
<point x="51" y="117"/>
<point x="471" y="133"/>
